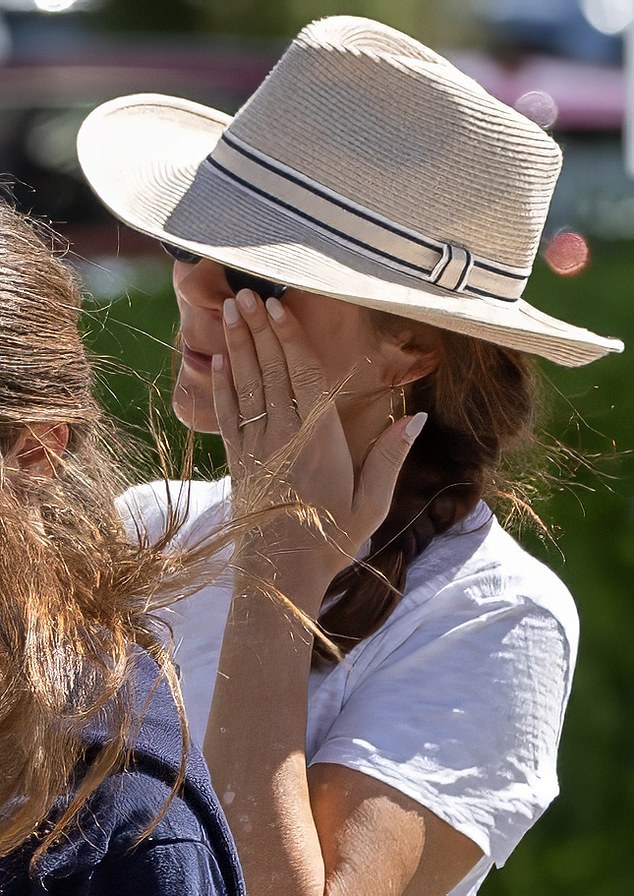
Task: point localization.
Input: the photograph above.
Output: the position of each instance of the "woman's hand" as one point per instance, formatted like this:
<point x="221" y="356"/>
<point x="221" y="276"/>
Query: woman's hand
<point x="280" y="426"/>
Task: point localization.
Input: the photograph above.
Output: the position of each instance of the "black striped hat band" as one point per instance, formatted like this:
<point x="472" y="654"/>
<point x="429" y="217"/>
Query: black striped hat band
<point x="443" y="264"/>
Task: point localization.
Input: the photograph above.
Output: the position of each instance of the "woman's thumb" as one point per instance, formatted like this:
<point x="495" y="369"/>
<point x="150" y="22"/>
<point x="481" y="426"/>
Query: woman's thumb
<point x="383" y="464"/>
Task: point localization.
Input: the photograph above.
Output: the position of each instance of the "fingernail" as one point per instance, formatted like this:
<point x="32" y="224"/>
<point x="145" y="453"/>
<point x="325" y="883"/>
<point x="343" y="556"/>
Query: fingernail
<point x="217" y="362"/>
<point x="275" y="309"/>
<point x="246" y="300"/>
<point x="415" y="426"/>
<point x="230" y="312"/>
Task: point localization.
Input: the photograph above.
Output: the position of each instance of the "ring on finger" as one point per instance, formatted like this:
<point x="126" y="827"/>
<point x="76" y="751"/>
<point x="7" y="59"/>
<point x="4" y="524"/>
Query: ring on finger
<point x="252" y="419"/>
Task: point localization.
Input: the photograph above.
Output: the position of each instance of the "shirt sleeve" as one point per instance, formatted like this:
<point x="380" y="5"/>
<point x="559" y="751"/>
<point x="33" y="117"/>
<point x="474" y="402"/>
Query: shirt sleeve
<point x="187" y="853"/>
<point x="466" y="721"/>
<point x="159" y="867"/>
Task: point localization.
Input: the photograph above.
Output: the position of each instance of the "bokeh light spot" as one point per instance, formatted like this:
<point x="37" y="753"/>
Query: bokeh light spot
<point x="567" y="253"/>
<point x="539" y="106"/>
<point x="608" y="16"/>
<point x="54" y="5"/>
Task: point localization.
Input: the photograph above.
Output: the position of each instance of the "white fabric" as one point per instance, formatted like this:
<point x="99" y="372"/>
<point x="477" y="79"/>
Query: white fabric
<point x="457" y="701"/>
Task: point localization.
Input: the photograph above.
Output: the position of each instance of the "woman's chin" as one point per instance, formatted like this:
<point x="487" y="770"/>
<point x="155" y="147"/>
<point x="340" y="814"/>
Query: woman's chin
<point x="193" y="409"/>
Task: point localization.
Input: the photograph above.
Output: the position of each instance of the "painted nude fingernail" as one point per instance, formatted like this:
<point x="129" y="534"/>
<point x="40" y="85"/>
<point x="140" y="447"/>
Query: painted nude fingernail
<point x="246" y="300"/>
<point x="415" y="426"/>
<point x="275" y="309"/>
<point x="217" y="362"/>
<point x="230" y="312"/>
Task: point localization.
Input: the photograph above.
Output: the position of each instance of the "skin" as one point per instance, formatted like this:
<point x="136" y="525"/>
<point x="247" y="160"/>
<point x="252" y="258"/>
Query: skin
<point x="327" y="829"/>
<point x="38" y="447"/>
<point x="340" y="334"/>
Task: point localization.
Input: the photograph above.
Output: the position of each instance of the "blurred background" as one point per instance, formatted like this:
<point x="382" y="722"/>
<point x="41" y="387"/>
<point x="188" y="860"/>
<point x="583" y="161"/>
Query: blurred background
<point x="563" y="63"/>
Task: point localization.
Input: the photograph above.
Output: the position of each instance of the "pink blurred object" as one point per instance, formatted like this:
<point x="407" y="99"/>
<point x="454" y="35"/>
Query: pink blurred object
<point x="587" y="96"/>
<point x="567" y="253"/>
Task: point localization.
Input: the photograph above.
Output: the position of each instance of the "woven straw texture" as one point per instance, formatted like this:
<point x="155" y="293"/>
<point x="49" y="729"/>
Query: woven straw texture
<point x="376" y="119"/>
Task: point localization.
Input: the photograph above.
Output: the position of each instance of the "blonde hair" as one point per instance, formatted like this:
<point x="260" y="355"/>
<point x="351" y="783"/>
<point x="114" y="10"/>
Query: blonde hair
<point x="75" y="592"/>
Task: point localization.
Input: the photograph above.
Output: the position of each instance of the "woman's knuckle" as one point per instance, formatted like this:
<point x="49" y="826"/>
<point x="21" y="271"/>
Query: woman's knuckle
<point x="248" y="390"/>
<point x="308" y="377"/>
<point x="274" y="369"/>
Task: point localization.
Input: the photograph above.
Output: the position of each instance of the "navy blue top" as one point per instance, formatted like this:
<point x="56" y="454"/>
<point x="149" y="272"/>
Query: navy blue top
<point x="191" y="851"/>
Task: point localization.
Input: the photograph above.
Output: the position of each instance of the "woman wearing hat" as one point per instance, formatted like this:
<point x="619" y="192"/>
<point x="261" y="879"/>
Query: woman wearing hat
<point x="388" y="210"/>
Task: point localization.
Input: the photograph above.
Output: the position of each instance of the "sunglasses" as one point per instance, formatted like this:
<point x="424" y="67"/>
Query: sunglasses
<point x="237" y="280"/>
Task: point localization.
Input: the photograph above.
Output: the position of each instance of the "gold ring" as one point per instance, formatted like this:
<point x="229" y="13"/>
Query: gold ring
<point x="252" y="419"/>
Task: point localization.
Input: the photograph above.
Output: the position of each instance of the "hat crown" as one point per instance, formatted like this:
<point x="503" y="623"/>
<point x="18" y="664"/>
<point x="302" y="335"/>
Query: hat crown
<point x="365" y="167"/>
<point x="375" y="116"/>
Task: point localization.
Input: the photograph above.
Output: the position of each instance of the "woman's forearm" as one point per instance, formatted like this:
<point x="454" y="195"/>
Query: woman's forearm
<point x="255" y="741"/>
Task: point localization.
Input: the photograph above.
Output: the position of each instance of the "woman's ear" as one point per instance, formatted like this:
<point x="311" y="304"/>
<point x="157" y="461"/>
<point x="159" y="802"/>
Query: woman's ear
<point x="413" y="355"/>
<point x="38" y="448"/>
<point x="421" y="364"/>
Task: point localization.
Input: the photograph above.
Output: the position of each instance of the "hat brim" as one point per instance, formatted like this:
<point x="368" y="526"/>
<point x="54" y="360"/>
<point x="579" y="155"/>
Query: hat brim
<point x="145" y="157"/>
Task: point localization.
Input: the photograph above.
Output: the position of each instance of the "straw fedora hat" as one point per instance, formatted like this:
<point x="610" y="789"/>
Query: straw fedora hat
<point x="365" y="167"/>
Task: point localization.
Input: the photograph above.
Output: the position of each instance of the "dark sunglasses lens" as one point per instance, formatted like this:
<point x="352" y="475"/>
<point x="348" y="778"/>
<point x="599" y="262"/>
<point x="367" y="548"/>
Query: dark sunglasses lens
<point x="181" y="254"/>
<point x="238" y="280"/>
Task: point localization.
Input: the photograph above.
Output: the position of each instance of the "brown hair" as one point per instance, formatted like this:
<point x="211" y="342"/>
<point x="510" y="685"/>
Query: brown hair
<point x="481" y="403"/>
<point x="75" y="592"/>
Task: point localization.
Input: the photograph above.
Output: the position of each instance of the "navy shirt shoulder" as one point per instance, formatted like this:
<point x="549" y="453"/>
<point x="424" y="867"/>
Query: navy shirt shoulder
<point x="190" y="851"/>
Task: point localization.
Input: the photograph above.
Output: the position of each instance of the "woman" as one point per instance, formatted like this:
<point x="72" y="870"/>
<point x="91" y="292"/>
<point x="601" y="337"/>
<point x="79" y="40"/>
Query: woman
<point x="99" y="792"/>
<point x="388" y="210"/>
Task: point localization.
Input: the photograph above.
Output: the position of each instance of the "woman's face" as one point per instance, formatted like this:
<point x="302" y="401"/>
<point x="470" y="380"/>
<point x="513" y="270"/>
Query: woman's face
<point x="342" y="336"/>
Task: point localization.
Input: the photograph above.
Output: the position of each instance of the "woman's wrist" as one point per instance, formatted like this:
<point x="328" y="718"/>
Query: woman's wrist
<point x="299" y="573"/>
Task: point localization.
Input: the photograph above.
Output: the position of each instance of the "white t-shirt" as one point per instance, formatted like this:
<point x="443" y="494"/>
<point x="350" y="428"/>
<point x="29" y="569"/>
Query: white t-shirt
<point x="457" y="701"/>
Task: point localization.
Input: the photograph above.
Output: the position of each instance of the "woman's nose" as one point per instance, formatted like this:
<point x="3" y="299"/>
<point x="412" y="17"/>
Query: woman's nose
<point x="202" y="285"/>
